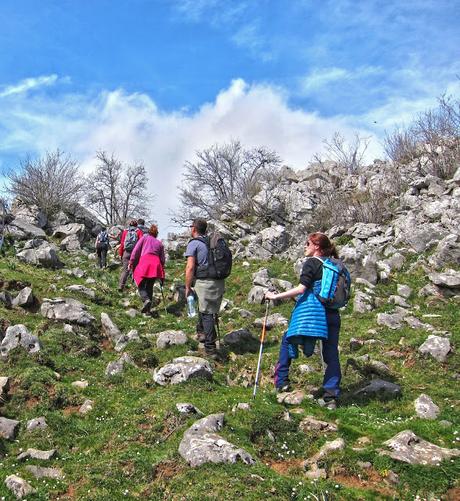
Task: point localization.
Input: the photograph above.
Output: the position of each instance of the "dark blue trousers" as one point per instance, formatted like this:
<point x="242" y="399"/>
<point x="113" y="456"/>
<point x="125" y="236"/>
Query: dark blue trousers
<point x="333" y="374"/>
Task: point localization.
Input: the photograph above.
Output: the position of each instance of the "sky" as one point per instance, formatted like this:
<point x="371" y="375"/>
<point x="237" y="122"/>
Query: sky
<point x="155" y="81"/>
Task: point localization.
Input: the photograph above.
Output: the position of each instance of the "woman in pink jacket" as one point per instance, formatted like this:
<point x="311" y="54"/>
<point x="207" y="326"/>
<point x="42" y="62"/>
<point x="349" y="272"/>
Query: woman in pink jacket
<point x="147" y="262"/>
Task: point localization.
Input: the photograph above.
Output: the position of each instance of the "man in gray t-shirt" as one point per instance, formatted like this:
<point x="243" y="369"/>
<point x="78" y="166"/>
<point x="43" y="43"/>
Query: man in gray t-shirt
<point x="210" y="291"/>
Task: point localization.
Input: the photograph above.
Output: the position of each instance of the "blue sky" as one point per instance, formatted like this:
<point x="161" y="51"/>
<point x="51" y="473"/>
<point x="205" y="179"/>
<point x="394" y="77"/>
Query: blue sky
<point x="156" y="80"/>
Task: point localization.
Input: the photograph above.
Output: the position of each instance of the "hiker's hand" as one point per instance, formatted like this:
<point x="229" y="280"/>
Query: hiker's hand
<point x="130" y="266"/>
<point x="270" y="295"/>
<point x="188" y="291"/>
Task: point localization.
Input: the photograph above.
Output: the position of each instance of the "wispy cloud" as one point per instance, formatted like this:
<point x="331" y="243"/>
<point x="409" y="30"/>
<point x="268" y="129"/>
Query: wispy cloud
<point x="28" y="84"/>
<point x="320" y="77"/>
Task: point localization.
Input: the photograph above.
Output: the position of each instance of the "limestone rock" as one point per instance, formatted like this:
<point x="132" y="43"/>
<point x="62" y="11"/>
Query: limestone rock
<point x="27" y="230"/>
<point x="425" y="408"/>
<point x="18" y="335"/>
<point x="36" y="424"/>
<point x="273" y="320"/>
<point x="43" y="472"/>
<point x="188" y="409"/>
<point x="124" y="339"/>
<point x="24" y="298"/>
<point x="37" y="454"/>
<point x="379" y="389"/>
<point x="436" y="346"/>
<point x="328" y="448"/>
<point x="291" y="398"/>
<point x="8" y="428"/>
<point x="182" y="369"/>
<point x="404" y="290"/>
<point x="118" y="366"/>
<point x="4" y="387"/>
<point x="390" y="320"/>
<point x="256" y="294"/>
<point x="5" y="298"/>
<point x="18" y="486"/>
<point x="310" y="423"/>
<point x="362" y="302"/>
<point x="449" y="279"/>
<point x="171" y="338"/>
<point x="406" y="446"/>
<point x="40" y="253"/>
<point x="109" y="328"/>
<point x="241" y="341"/>
<point x="66" y="310"/>
<point x="86" y="407"/>
<point x="201" y="444"/>
<point x="86" y="291"/>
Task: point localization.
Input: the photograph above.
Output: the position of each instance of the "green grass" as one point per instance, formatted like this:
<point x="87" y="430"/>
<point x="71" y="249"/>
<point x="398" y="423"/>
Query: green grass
<point x="126" y="448"/>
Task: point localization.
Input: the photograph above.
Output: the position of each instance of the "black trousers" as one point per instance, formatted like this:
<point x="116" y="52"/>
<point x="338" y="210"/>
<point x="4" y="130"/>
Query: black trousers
<point x="206" y="324"/>
<point x="145" y="289"/>
<point x="102" y="256"/>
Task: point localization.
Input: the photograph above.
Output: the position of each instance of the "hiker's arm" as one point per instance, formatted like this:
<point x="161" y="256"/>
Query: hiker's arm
<point x="300" y="289"/>
<point x="189" y="274"/>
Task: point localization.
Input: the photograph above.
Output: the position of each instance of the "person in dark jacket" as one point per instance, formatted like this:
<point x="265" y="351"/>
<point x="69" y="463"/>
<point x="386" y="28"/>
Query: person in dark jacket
<point x="311" y="321"/>
<point x="102" y="246"/>
<point x="141" y="226"/>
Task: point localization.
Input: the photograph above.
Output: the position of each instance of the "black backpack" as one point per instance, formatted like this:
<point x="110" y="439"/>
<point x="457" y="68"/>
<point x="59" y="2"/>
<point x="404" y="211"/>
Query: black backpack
<point x="219" y="258"/>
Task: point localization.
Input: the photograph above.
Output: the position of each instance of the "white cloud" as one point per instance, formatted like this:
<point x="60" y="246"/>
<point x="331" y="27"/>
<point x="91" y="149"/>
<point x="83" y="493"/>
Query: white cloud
<point x="321" y="77"/>
<point x="28" y="84"/>
<point x="134" y="129"/>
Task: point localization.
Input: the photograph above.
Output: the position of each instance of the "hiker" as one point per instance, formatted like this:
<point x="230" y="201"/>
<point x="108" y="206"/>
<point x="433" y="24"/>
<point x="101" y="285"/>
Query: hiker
<point x="128" y="241"/>
<point x="147" y="262"/>
<point x="102" y="246"/>
<point x="209" y="290"/>
<point x="141" y="226"/>
<point x="311" y="320"/>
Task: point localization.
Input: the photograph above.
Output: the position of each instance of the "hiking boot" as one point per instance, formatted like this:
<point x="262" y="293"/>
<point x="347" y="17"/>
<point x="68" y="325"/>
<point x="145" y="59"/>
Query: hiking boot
<point x="146" y="307"/>
<point x="200" y="337"/>
<point x="285" y="388"/>
<point x="319" y="393"/>
<point x="328" y="402"/>
<point x="215" y="355"/>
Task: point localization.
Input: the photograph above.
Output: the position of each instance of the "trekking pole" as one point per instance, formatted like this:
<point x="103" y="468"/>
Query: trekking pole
<point x="163" y="295"/>
<point x="261" y="349"/>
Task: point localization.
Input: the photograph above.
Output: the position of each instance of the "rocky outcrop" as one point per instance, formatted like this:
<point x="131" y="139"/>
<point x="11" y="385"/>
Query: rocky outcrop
<point x="41" y="253"/>
<point x="19" y="335"/>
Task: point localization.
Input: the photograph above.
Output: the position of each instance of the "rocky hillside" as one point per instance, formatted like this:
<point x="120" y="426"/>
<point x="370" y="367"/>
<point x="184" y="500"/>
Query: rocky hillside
<point x="100" y="402"/>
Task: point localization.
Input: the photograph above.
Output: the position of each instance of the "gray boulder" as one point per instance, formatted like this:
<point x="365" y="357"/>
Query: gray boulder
<point x="86" y="291"/>
<point x="8" y="428"/>
<point x="37" y="454"/>
<point x="124" y="339"/>
<point x="70" y="229"/>
<point x="24" y="298"/>
<point x="425" y="408"/>
<point x="241" y="341"/>
<point x="256" y="294"/>
<point x="310" y="423"/>
<point x="66" y="310"/>
<point x="18" y="335"/>
<point x="182" y="369"/>
<point x="43" y="472"/>
<point x="363" y="302"/>
<point x="40" y="253"/>
<point x="18" y="486"/>
<point x="391" y="320"/>
<point x="118" y="366"/>
<point x="187" y="409"/>
<point x="109" y="328"/>
<point x="449" y="279"/>
<point x="171" y="338"/>
<point x="28" y="212"/>
<point x="23" y="230"/>
<point x="201" y="444"/>
<point x="36" y="424"/>
<point x="406" y="446"/>
<point x="377" y="389"/>
<point x="447" y="252"/>
<point x="71" y="243"/>
<point x="4" y="387"/>
<point x="436" y="346"/>
<point x="273" y="320"/>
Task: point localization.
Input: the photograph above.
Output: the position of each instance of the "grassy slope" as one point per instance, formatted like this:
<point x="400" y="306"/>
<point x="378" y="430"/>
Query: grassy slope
<point x="127" y="446"/>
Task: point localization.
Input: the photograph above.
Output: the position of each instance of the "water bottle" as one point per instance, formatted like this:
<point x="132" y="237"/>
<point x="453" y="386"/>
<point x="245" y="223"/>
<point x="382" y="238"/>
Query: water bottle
<point x="191" y="311"/>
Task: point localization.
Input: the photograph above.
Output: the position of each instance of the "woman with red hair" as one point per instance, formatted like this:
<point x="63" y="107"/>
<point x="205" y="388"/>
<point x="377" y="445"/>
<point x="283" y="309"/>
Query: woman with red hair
<point x="311" y="320"/>
<point x="147" y="262"/>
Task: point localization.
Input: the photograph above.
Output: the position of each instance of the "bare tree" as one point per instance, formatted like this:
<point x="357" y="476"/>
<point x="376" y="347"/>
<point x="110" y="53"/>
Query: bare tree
<point x="222" y="174"/>
<point x="52" y="182"/>
<point x="434" y="134"/>
<point x="347" y="154"/>
<point x="117" y="192"/>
